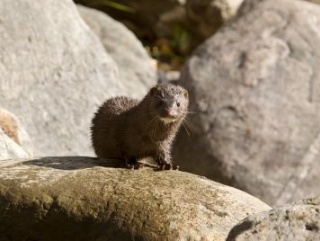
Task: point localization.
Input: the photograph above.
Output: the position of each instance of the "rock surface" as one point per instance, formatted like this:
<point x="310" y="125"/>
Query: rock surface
<point x="187" y="23"/>
<point x="14" y="140"/>
<point x="299" y="221"/>
<point x="54" y="73"/>
<point x="254" y="89"/>
<point x="75" y="198"/>
<point x="10" y="149"/>
<point x="314" y="1"/>
<point x="136" y="72"/>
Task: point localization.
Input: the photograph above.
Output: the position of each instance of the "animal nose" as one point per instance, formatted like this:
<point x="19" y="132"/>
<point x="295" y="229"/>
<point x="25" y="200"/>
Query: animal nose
<point x="168" y="112"/>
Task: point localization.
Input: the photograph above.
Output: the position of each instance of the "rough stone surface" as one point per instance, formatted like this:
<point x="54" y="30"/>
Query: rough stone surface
<point x="186" y="22"/>
<point x="10" y="149"/>
<point x="75" y="198"/>
<point x="54" y="73"/>
<point x="299" y="221"/>
<point x="314" y="1"/>
<point x="135" y="66"/>
<point x="249" y="4"/>
<point x="14" y="140"/>
<point x="255" y="93"/>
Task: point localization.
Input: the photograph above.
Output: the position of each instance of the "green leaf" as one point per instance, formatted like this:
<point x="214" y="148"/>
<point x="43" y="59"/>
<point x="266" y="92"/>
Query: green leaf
<point x="114" y="5"/>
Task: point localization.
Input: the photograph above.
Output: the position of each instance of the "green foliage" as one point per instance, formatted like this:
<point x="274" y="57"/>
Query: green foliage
<point x="181" y="39"/>
<point x="112" y="4"/>
<point x="171" y="51"/>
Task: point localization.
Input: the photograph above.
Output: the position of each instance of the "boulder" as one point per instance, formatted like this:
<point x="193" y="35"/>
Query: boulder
<point x="14" y="140"/>
<point x="255" y="99"/>
<point x="54" y="73"/>
<point x="249" y="4"/>
<point x="81" y="198"/>
<point x="314" y="1"/>
<point x="9" y="148"/>
<point x="297" y="221"/>
<point x="136" y="71"/>
<point x="186" y="23"/>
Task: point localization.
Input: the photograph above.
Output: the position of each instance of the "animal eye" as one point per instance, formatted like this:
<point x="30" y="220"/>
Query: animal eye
<point x="160" y="102"/>
<point x="178" y="104"/>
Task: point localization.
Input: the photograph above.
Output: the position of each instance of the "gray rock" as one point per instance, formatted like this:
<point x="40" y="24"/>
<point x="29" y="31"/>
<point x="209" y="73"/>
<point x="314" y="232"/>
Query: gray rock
<point x="135" y="66"/>
<point x="10" y="149"/>
<point x="187" y="23"/>
<point x="14" y="140"/>
<point x="299" y="221"/>
<point x="54" y="73"/>
<point x="249" y="4"/>
<point x="314" y="1"/>
<point x="255" y="96"/>
<point x="75" y="198"/>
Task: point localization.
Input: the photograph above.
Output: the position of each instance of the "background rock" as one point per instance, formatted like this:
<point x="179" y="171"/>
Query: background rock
<point x="54" y="73"/>
<point x="14" y="140"/>
<point x="298" y="221"/>
<point x="209" y="15"/>
<point x="144" y="15"/>
<point x="314" y="1"/>
<point x="10" y="149"/>
<point x="75" y="198"/>
<point x="254" y="89"/>
<point x="172" y="27"/>
<point x="135" y="69"/>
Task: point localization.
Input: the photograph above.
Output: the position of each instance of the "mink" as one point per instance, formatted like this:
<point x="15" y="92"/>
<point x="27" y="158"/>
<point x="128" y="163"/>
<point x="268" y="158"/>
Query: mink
<point x="127" y="129"/>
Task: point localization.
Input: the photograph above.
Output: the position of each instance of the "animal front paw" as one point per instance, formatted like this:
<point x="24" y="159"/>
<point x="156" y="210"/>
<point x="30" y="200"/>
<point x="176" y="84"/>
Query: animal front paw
<point x="168" y="166"/>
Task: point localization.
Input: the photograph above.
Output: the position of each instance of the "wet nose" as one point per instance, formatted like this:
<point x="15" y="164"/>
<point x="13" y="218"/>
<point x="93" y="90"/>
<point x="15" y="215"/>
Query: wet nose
<point x="169" y="112"/>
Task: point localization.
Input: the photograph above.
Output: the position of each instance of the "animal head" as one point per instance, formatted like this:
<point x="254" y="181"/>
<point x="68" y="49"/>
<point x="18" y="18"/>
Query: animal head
<point x="169" y="102"/>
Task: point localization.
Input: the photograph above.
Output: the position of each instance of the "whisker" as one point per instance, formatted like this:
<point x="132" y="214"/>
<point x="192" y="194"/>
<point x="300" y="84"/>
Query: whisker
<point x="159" y="97"/>
<point x="155" y="130"/>
<point x="192" y="127"/>
<point x="184" y="126"/>
<point x="152" y="127"/>
<point x="189" y="112"/>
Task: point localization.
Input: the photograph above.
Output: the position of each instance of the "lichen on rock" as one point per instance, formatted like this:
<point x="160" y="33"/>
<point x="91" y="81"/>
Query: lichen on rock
<point x="81" y="198"/>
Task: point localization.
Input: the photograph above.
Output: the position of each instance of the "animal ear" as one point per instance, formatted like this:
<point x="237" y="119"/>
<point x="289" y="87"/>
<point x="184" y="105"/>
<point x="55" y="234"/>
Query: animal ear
<point x="153" y="90"/>
<point x="185" y="93"/>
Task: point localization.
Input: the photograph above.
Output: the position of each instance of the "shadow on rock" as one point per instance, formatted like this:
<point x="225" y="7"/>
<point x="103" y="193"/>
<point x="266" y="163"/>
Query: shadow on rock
<point x="74" y="162"/>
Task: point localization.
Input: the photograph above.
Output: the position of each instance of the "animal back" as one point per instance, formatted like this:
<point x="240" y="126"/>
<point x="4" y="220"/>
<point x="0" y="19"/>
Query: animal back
<point x="116" y="106"/>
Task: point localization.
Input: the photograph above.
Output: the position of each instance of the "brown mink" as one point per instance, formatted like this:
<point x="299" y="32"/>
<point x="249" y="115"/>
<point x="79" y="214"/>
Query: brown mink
<point x="124" y="128"/>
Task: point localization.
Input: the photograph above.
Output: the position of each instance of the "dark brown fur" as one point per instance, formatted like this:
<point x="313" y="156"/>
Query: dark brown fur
<point x="124" y="128"/>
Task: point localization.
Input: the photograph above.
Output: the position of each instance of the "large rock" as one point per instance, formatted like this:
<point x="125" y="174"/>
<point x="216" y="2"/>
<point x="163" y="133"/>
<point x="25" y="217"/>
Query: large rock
<point x="54" y="73"/>
<point x="314" y="1"/>
<point x="14" y="140"/>
<point x="135" y="66"/>
<point x="255" y="94"/>
<point x="186" y="23"/>
<point x="298" y="221"/>
<point x="9" y="148"/>
<point x="75" y="198"/>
